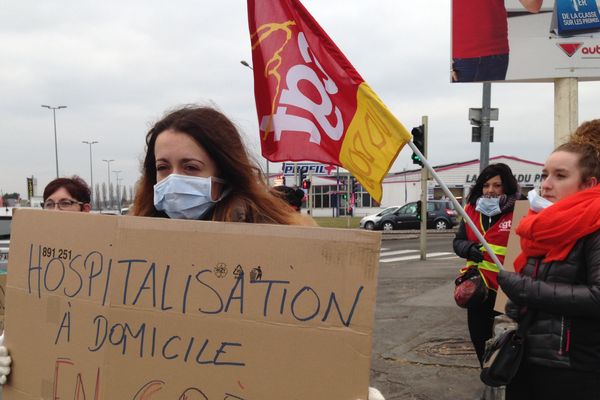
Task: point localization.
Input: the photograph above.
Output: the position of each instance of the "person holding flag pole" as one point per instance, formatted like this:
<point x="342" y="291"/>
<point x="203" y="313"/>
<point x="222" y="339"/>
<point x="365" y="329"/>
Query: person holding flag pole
<point x="458" y="207"/>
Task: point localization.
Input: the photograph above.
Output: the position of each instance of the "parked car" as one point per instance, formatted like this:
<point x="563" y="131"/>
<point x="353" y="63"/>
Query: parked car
<point x="369" y="221"/>
<point x="440" y="215"/>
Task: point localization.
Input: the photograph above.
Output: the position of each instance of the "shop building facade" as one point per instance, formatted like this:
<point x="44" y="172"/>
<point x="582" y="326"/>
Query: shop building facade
<point x="334" y="191"/>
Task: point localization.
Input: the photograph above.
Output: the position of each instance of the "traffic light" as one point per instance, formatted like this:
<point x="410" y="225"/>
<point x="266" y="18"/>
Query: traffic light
<point x="355" y="184"/>
<point x="302" y="176"/>
<point x="419" y="205"/>
<point x="418" y="134"/>
<point x="306" y="184"/>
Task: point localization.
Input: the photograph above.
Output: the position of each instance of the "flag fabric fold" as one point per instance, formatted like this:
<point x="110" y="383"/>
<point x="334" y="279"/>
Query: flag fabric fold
<point x="311" y="102"/>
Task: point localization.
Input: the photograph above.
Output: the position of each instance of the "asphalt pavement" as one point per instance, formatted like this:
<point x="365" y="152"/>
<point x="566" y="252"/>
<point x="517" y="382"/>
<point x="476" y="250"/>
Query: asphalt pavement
<point x="421" y="346"/>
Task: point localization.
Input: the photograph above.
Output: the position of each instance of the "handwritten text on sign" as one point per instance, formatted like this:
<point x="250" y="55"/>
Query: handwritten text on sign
<point x="126" y="319"/>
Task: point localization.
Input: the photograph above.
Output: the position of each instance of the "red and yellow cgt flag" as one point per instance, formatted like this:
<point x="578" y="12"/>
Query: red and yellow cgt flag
<point x="311" y="102"/>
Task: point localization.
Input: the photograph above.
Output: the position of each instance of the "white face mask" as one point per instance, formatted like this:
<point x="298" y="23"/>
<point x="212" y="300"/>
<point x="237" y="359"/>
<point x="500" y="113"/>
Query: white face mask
<point x="489" y="206"/>
<point x="185" y="197"/>
<point x="536" y="202"/>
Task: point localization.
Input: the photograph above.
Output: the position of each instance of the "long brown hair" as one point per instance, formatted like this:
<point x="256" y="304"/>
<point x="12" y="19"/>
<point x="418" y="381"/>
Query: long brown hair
<point x="249" y="199"/>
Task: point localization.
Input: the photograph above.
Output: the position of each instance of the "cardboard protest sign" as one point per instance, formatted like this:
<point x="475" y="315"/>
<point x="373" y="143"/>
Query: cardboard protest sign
<point x="106" y="307"/>
<point x="513" y="248"/>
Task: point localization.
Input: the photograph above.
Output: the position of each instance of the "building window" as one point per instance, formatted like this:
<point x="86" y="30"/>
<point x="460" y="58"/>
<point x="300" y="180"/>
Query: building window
<point x="322" y="197"/>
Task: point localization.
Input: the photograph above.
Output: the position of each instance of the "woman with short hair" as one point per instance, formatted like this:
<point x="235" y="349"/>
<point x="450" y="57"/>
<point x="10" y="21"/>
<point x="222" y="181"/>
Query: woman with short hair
<point x="67" y="194"/>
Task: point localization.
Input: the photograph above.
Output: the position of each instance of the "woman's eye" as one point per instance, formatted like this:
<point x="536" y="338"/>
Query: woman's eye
<point x="191" y="168"/>
<point x="161" y="167"/>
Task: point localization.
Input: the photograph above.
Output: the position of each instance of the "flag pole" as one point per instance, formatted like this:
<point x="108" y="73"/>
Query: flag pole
<point x="457" y="205"/>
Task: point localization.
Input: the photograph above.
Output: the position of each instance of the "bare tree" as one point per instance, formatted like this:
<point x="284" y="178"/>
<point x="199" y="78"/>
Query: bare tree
<point x="124" y="202"/>
<point x="104" y="195"/>
<point x="97" y="204"/>
<point x="111" y="195"/>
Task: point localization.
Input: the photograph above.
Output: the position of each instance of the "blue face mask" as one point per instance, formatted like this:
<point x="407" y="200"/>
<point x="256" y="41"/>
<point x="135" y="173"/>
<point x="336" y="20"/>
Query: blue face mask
<point x="185" y="197"/>
<point x="489" y="206"/>
<point x="536" y="202"/>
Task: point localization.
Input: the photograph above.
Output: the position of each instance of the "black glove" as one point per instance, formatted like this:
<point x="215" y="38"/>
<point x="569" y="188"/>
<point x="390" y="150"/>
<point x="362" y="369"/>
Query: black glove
<point x="475" y="254"/>
<point x="514" y="311"/>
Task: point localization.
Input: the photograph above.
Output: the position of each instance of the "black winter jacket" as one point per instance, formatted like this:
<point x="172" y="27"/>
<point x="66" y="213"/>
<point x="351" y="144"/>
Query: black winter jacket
<point x="565" y="332"/>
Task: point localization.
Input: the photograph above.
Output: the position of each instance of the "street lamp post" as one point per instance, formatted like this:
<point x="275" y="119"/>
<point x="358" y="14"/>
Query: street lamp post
<point x="90" y="143"/>
<point x="118" y="194"/>
<point x="245" y="64"/>
<point x="108" y="166"/>
<point x="55" y="139"/>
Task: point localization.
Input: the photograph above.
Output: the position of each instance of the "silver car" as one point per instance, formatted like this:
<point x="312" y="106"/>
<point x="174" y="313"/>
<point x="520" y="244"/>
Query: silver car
<point x="369" y="221"/>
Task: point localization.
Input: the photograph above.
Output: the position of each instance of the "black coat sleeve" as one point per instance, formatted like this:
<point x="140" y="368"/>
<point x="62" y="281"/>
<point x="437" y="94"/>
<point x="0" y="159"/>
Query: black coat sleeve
<point x="460" y="244"/>
<point x="572" y="300"/>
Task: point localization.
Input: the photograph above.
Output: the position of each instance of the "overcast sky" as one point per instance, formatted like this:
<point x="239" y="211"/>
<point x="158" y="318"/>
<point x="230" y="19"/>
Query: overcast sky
<point x="119" y="65"/>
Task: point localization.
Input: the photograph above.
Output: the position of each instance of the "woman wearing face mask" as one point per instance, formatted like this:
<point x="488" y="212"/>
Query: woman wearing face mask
<point x="490" y="206"/>
<point x="197" y="167"/>
<point x="557" y="283"/>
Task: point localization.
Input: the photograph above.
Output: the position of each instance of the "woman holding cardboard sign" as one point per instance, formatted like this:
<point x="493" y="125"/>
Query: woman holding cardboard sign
<point x="557" y="283"/>
<point x="197" y="167"/>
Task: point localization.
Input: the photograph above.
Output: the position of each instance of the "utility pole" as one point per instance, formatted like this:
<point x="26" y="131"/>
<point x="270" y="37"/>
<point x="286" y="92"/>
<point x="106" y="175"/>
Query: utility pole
<point x="117" y="189"/>
<point x="338" y="197"/>
<point x="484" y="152"/>
<point x="482" y="131"/>
<point x="566" y="104"/>
<point x="55" y="138"/>
<point x="424" y="176"/>
<point x="348" y="198"/>
<point x="90" y="143"/>
<point x="108" y="188"/>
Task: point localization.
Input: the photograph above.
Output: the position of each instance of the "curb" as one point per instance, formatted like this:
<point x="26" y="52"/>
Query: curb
<point x="412" y="234"/>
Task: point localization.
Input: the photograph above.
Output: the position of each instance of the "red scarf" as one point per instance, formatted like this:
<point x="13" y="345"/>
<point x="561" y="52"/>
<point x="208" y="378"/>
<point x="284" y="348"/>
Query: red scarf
<point x="553" y="232"/>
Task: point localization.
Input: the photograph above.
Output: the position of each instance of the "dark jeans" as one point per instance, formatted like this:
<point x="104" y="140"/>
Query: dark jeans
<point x="480" y="69"/>
<point x="534" y="382"/>
<point x="481" y="323"/>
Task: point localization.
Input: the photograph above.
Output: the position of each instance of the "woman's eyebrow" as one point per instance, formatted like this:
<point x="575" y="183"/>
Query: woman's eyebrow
<point x="193" y="159"/>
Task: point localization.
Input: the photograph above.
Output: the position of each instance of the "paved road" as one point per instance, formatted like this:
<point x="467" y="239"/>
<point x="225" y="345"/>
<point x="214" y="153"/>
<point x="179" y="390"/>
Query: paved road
<point x="421" y="347"/>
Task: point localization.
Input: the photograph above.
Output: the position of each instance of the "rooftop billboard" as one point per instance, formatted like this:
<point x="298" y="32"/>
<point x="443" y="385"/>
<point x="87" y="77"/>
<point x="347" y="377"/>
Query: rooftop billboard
<point x="525" y="40"/>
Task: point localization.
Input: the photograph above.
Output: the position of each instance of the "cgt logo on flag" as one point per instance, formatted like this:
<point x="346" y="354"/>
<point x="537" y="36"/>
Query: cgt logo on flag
<point x="311" y="102"/>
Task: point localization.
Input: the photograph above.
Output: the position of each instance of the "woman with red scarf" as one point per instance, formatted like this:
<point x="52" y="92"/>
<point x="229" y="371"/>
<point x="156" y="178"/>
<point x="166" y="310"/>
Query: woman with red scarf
<point x="558" y="276"/>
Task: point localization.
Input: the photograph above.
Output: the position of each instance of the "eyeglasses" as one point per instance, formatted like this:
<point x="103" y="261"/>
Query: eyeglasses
<point x="62" y="204"/>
